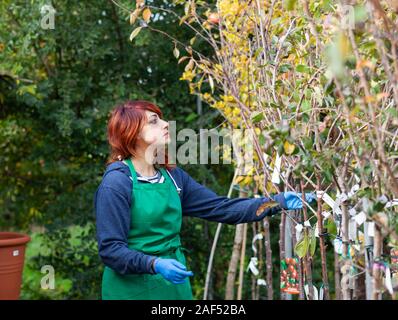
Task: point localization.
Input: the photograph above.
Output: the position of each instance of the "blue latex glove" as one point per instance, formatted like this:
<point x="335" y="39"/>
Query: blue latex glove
<point x="293" y="199"/>
<point x="172" y="270"/>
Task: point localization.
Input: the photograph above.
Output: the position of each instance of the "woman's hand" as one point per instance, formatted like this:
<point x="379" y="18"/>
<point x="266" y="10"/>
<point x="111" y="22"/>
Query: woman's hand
<point x="172" y="270"/>
<point x="293" y="199"/>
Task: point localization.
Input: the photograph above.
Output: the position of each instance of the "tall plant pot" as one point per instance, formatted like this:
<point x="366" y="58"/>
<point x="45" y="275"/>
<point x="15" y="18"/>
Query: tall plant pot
<point x="12" y="257"/>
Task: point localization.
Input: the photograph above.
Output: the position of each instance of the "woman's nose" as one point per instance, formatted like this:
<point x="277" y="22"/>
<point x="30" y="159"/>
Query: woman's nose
<point x="166" y="124"/>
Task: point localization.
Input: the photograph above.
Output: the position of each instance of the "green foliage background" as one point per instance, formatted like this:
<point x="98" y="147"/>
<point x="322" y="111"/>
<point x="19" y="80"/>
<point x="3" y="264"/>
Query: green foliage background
<point x="56" y="90"/>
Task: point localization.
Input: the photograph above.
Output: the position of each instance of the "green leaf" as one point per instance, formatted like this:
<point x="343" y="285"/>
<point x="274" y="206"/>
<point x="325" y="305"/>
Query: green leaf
<point x="261" y="139"/>
<point x="301" y="248"/>
<point x="258" y="51"/>
<point x="192" y="116"/>
<point x="257" y="117"/>
<point x="312" y="244"/>
<point x="331" y="227"/>
<point x="302" y="68"/>
<point x="308" y="143"/>
<point x="360" y="13"/>
<point x="305" y="106"/>
<point x="285" y="68"/>
<point x="289" y="4"/>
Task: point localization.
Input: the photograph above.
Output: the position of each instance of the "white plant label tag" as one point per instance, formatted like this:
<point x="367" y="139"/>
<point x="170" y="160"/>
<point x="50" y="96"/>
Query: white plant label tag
<point x="360" y="218"/>
<point x="15" y="253"/>
<point x="258" y="236"/>
<point x="326" y="214"/>
<point x="352" y="212"/>
<point x="261" y="282"/>
<point x="253" y="266"/>
<point x="277" y="169"/>
<point x="371" y="229"/>
<point x="316" y="232"/>
<point x="331" y="203"/>
<point x="388" y="282"/>
<point x="391" y="203"/>
<point x="352" y="229"/>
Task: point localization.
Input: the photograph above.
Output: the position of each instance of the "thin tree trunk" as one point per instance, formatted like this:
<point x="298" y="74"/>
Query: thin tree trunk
<point x="307" y="258"/>
<point x="242" y="262"/>
<point x="344" y="231"/>
<point x="253" y="277"/>
<point x="299" y="270"/>
<point x="233" y="264"/>
<point x="368" y="261"/>
<point x="260" y="258"/>
<point x="322" y="244"/>
<point x="378" y="248"/>
<point x="268" y="259"/>
<point x="288" y="245"/>
<point x="337" y="277"/>
<point x="282" y="247"/>
<point x="209" y="241"/>
<point x="253" y="288"/>
<point x="345" y="289"/>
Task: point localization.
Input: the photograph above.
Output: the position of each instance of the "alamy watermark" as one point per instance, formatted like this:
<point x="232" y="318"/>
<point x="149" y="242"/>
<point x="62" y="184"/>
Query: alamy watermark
<point x="48" y="281"/>
<point x="47" y="17"/>
<point x="349" y="16"/>
<point x="209" y="146"/>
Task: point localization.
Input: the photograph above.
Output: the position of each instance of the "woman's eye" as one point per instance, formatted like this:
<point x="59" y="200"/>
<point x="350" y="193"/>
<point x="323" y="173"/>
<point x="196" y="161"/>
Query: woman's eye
<point x="154" y="121"/>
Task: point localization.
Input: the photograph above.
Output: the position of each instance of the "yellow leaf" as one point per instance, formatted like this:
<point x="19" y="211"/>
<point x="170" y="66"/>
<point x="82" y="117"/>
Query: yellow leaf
<point x="176" y="52"/>
<point x="289" y="148"/>
<point x="182" y="59"/>
<point x="211" y="82"/>
<point x="189" y="66"/>
<point x="140" y="3"/>
<point x="182" y="20"/>
<point x="146" y="14"/>
<point x="381" y="96"/>
<point x="364" y="63"/>
<point x="246" y="181"/>
<point x="134" y="33"/>
<point x="239" y="179"/>
<point x="134" y="15"/>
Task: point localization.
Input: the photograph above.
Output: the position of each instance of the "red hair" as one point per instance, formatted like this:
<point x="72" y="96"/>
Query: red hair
<point x="124" y="125"/>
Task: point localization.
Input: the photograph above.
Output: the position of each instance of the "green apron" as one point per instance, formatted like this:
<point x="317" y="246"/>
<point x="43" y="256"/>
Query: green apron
<point x="156" y="217"/>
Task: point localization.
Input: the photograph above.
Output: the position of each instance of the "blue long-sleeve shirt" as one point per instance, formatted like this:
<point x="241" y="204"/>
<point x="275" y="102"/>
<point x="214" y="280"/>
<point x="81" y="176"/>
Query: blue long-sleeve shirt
<point x="112" y="203"/>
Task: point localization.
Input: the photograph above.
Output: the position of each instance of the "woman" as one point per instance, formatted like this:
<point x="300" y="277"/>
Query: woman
<point x="139" y="207"/>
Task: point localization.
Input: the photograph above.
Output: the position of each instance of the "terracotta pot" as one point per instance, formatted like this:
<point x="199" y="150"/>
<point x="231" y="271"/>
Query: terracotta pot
<point x="12" y="256"/>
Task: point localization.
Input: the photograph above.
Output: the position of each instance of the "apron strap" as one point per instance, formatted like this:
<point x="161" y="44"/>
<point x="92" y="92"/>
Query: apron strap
<point x="167" y="175"/>
<point x="132" y="171"/>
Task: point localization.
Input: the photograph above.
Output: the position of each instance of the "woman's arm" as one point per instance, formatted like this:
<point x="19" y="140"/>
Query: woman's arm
<point x="113" y="221"/>
<point x="199" y="201"/>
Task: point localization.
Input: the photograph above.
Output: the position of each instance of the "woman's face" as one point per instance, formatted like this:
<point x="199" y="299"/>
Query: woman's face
<point x="155" y="131"/>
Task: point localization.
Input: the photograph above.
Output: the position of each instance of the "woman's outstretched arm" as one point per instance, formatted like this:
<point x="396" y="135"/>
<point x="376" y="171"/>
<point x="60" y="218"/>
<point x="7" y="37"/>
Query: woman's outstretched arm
<point x="199" y="201"/>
